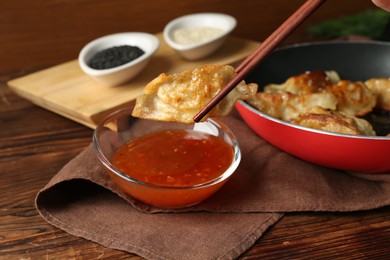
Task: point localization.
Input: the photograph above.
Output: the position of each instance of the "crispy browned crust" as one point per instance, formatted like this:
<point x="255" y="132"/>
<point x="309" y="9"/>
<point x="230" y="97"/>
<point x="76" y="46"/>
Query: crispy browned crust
<point x="322" y="101"/>
<point x="305" y="83"/>
<point x="380" y="87"/>
<point x="325" y="122"/>
<point x="179" y="97"/>
<point x="336" y="122"/>
<point x="354" y="98"/>
<point x="287" y="106"/>
<point x="269" y="103"/>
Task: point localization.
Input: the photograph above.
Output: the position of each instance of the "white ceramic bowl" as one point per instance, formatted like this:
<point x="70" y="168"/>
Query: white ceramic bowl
<point x="199" y="50"/>
<point x="123" y="73"/>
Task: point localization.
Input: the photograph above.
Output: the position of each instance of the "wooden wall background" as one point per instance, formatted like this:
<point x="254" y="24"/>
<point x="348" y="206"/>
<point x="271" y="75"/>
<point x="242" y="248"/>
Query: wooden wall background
<point x="46" y="26"/>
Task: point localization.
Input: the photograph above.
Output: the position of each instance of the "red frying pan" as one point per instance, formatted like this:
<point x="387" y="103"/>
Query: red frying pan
<point x="355" y="61"/>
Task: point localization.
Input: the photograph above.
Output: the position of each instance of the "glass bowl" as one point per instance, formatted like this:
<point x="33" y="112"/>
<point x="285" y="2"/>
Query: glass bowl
<point x="119" y="128"/>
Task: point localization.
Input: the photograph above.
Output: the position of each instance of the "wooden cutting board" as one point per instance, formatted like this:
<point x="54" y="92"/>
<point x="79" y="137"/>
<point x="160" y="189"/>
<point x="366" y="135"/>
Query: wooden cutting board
<point x="66" y="90"/>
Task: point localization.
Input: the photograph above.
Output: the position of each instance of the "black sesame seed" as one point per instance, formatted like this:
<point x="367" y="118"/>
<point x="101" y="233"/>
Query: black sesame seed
<point x="114" y="57"/>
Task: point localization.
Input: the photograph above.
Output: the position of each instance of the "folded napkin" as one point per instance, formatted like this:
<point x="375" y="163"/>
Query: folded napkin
<point x="84" y="202"/>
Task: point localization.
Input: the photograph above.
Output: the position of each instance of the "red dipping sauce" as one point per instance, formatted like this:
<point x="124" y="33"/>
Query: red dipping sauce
<point x="165" y="164"/>
<point x="174" y="158"/>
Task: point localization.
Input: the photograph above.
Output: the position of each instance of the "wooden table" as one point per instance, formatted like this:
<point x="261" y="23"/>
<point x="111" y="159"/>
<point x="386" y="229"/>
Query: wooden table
<point x="36" y="143"/>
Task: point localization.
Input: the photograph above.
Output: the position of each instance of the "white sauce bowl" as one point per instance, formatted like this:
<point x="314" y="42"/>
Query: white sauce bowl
<point x="198" y="51"/>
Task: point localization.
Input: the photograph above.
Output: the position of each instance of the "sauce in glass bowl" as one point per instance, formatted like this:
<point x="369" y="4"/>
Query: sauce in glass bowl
<point x="166" y="164"/>
<point x="174" y="158"/>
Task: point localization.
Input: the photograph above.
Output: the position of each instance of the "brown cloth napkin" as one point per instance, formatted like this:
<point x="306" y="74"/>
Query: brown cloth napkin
<point x="83" y="201"/>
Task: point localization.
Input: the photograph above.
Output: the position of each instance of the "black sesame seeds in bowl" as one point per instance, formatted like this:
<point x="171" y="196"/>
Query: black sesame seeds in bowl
<point x="114" y="57"/>
<point x="117" y="58"/>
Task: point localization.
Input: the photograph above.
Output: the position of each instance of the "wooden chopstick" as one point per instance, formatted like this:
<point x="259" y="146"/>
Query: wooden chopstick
<point x="265" y="48"/>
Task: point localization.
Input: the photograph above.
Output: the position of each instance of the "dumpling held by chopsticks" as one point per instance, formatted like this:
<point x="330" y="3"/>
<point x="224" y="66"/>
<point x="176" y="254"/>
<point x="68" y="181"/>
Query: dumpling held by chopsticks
<point x="179" y="97"/>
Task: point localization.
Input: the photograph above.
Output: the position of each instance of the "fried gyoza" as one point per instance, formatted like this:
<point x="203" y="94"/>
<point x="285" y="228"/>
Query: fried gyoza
<point x="268" y="103"/>
<point x="334" y="121"/>
<point x="321" y="100"/>
<point x="179" y="97"/>
<point x="381" y="87"/>
<point x="354" y="98"/>
<point x="286" y="106"/>
<point x="305" y="83"/>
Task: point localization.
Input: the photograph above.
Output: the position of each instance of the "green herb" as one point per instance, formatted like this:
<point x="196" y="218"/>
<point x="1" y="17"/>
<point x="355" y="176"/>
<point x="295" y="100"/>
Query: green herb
<point x="370" y="23"/>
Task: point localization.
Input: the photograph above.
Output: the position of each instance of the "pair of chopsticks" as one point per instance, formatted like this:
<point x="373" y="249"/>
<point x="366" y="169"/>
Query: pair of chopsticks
<point x="265" y="48"/>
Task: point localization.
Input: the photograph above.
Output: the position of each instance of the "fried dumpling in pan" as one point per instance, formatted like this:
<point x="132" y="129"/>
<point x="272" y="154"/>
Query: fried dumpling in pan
<point x="333" y="121"/>
<point x="305" y="83"/>
<point x="321" y="100"/>
<point x="179" y="97"/>
<point x="354" y="98"/>
<point x="286" y="106"/>
<point x="380" y="87"/>
<point x="268" y="103"/>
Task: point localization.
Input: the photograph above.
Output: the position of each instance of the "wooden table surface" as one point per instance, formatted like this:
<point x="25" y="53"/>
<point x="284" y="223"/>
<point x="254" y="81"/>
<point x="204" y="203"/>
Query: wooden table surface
<point x="36" y="143"/>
